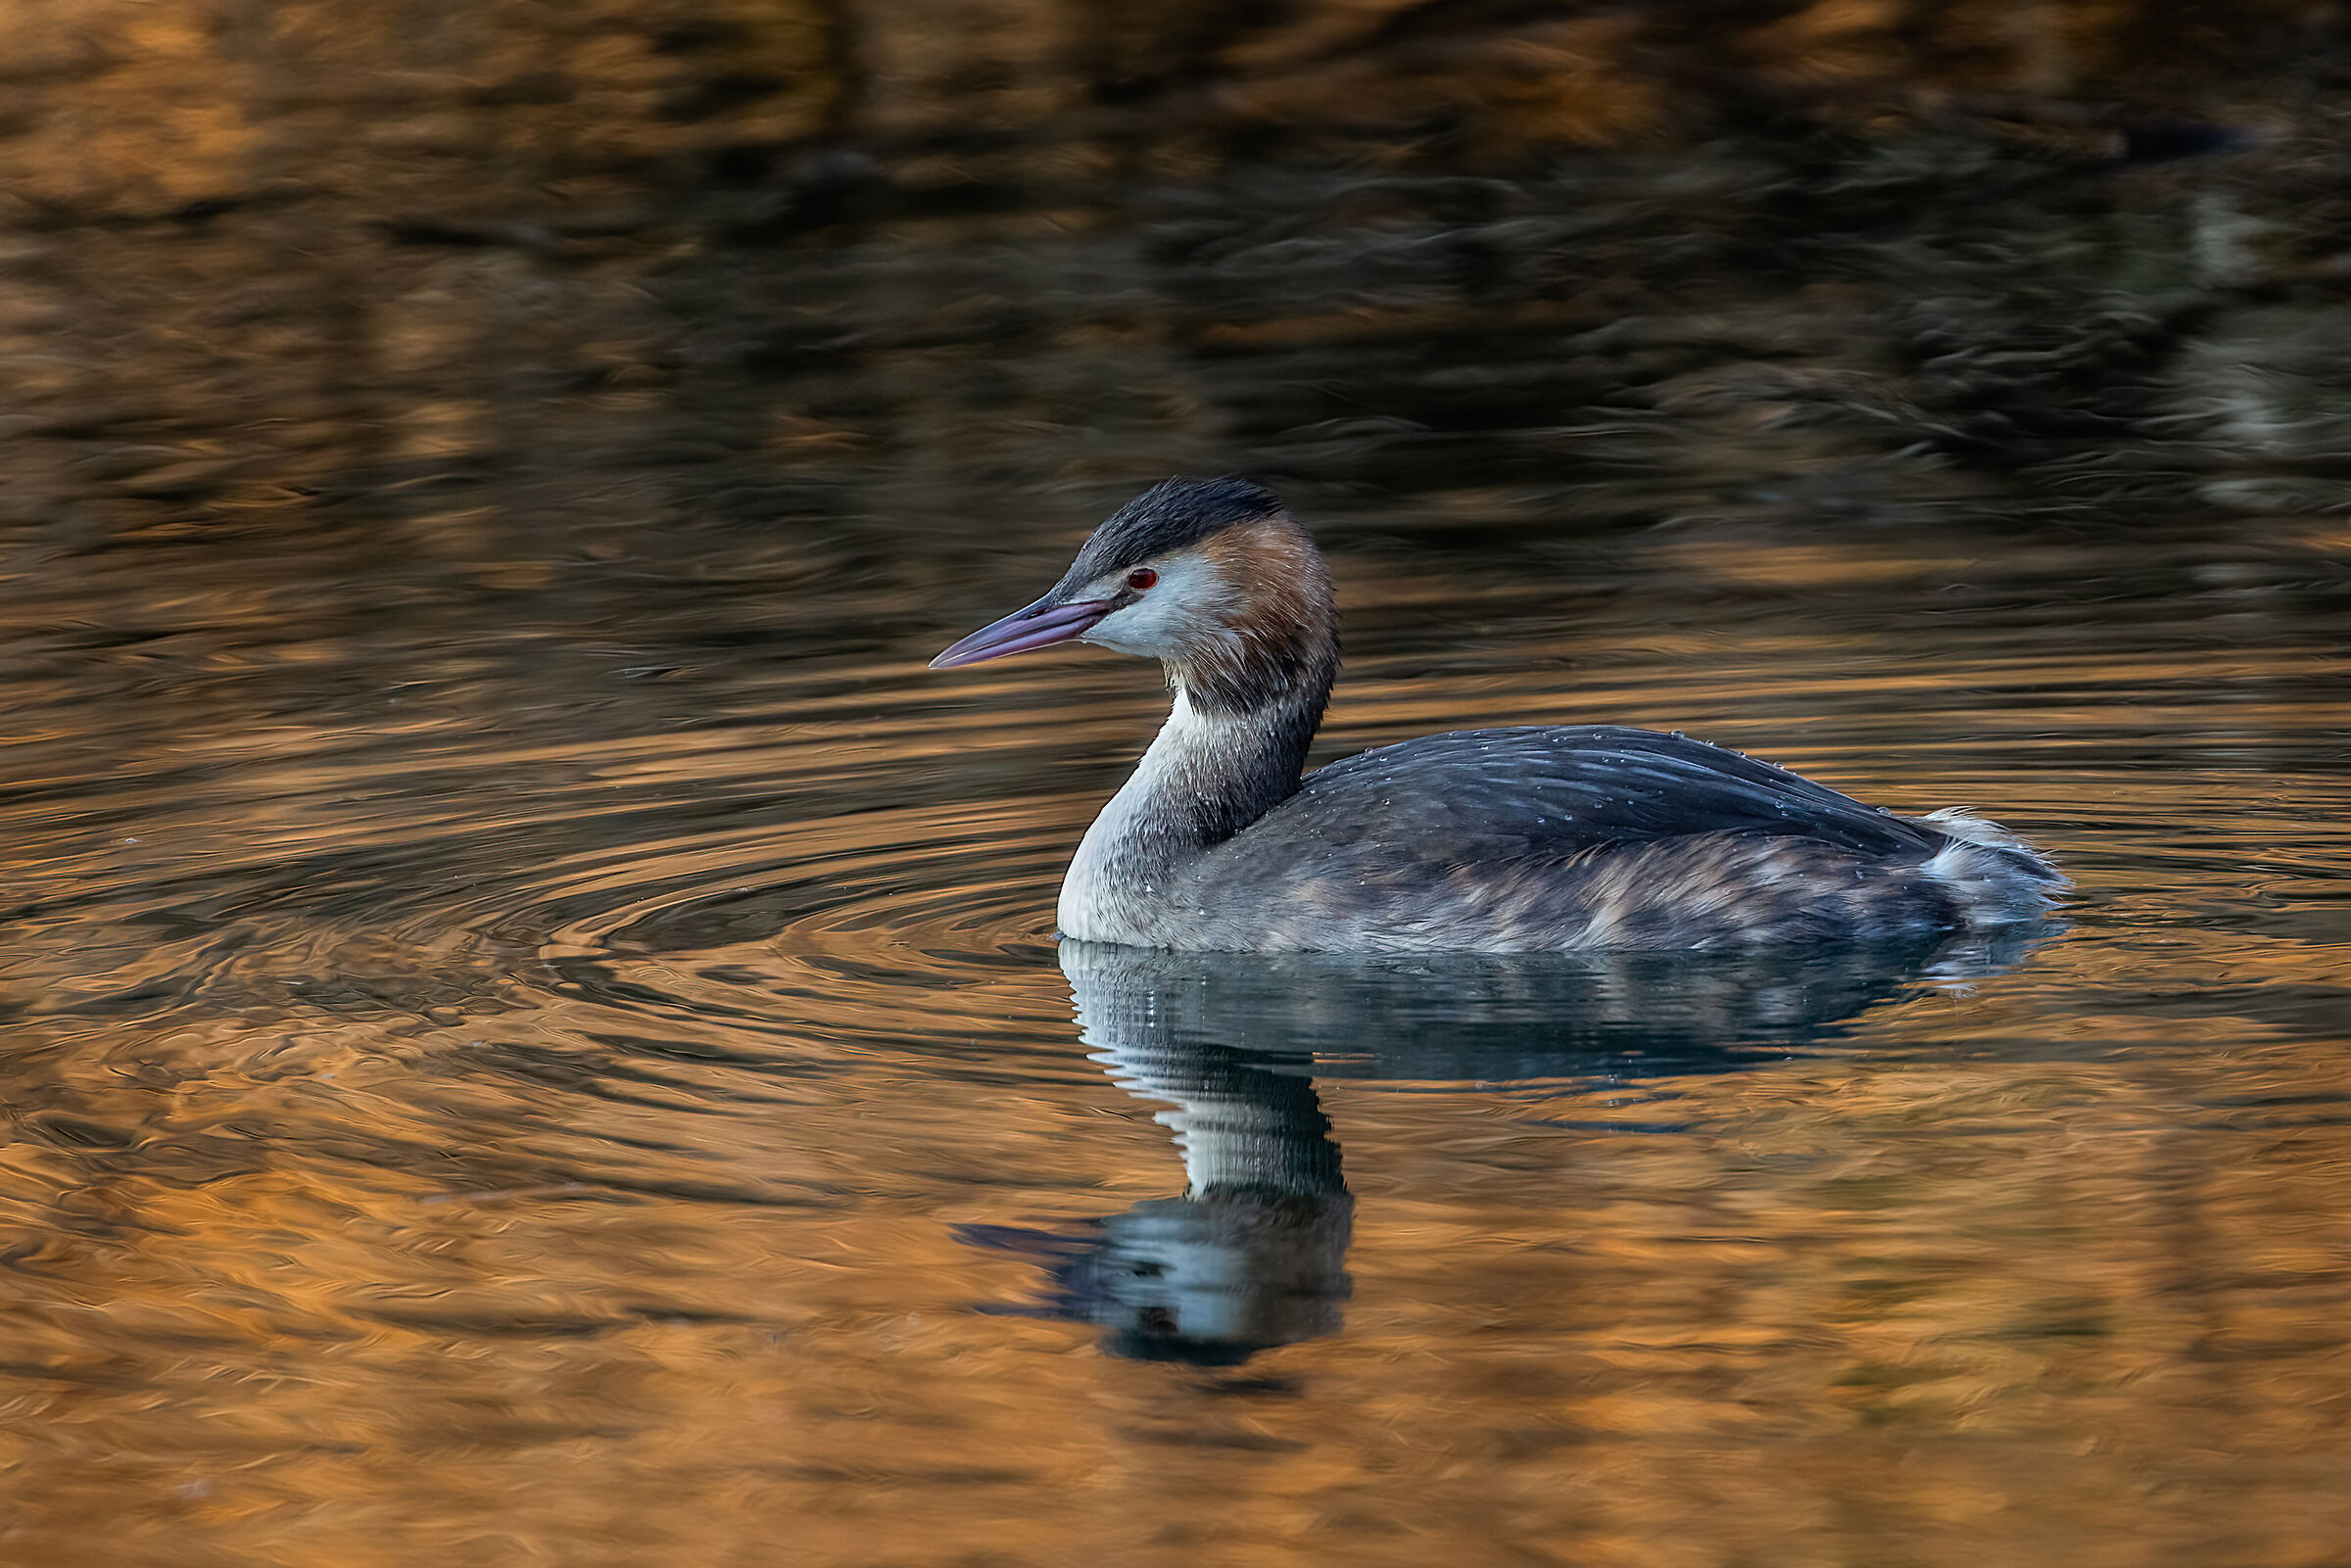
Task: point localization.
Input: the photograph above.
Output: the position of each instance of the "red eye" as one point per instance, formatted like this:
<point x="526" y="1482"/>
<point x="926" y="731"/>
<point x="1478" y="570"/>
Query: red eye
<point x="1140" y="578"/>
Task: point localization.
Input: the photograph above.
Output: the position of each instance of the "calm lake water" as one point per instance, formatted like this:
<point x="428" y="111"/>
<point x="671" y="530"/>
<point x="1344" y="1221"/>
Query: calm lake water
<point x="534" y="1033"/>
<point x="567" y="1062"/>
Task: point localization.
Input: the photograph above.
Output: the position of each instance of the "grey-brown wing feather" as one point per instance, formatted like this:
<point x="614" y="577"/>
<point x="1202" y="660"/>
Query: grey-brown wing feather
<point x="1483" y="794"/>
<point x="1524" y="841"/>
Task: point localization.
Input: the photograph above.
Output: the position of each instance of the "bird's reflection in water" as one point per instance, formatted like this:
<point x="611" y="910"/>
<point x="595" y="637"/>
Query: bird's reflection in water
<point x="1253" y="1254"/>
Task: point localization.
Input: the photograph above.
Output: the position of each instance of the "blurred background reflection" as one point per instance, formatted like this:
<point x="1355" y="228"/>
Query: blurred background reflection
<point x="533" y="1030"/>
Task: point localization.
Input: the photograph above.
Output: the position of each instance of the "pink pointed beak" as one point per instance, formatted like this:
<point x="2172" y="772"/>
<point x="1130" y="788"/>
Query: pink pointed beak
<point x="1040" y="626"/>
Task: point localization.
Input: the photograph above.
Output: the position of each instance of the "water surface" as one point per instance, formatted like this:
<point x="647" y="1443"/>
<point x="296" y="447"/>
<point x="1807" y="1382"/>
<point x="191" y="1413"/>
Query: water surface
<point x="565" y="1058"/>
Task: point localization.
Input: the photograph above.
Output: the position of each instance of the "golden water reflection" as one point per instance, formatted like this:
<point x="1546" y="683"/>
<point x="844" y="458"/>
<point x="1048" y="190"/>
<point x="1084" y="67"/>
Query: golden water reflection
<point x="535" y="1127"/>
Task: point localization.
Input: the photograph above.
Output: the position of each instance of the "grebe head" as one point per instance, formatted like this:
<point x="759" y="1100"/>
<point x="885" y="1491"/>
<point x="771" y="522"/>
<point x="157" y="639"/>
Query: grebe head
<point x="1208" y="576"/>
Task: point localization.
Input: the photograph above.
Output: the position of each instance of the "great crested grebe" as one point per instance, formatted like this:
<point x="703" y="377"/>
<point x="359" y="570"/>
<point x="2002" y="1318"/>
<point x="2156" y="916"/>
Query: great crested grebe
<point x="1533" y="839"/>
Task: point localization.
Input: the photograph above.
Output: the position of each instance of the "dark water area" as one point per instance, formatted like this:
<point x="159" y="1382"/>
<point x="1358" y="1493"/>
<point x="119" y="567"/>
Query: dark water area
<point x="534" y="1027"/>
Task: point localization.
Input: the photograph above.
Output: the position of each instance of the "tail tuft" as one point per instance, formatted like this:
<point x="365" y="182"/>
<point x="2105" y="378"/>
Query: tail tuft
<point x="1994" y="876"/>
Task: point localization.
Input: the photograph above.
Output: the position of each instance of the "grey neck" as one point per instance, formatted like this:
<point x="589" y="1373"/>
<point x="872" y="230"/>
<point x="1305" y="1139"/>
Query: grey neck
<point x="1239" y="761"/>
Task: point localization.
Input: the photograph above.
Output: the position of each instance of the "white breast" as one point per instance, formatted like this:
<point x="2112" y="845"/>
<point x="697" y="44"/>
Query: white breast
<point x="1116" y="887"/>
